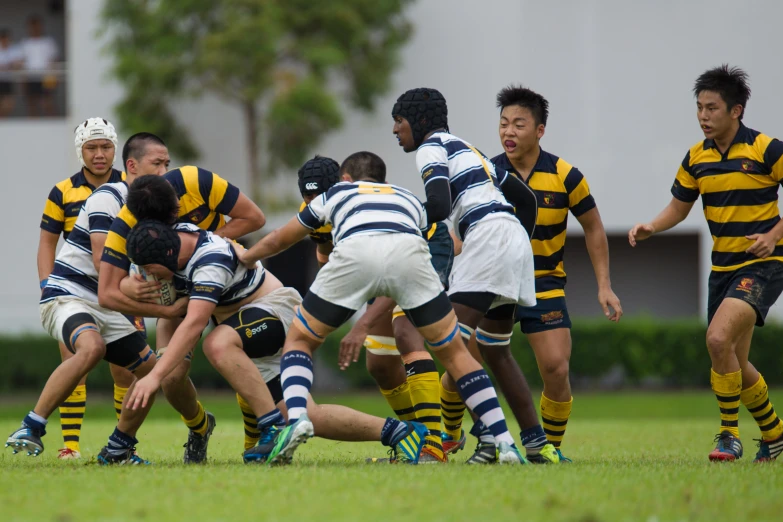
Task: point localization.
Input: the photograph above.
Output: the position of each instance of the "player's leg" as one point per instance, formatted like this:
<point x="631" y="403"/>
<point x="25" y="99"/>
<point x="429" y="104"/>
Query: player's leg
<point x="233" y="353"/>
<point x="386" y="368"/>
<point x="72" y="414"/>
<point x="548" y="330"/>
<point x="132" y="353"/>
<point x="755" y="393"/>
<point x="437" y="323"/>
<point x="181" y="394"/>
<point x="122" y="382"/>
<point x="423" y="382"/>
<point x="68" y="321"/>
<point x="453" y="409"/>
<point x="730" y="324"/>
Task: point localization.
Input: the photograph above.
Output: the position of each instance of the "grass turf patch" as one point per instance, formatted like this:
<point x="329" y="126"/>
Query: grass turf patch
<point x="637" y="457"/>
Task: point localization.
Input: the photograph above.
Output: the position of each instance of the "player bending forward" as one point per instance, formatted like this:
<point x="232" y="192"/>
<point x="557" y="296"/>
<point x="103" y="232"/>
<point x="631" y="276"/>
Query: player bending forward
<point x="253" y="311"/>
<point x="375" y="225"/>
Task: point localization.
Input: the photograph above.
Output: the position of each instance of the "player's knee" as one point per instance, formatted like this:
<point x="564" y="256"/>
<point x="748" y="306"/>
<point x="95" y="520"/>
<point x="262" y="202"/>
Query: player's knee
<point x="91" y="349"/>
<point x="148" y="361"/>
<point x="213" y="350"/>
<point x="554" y="371"/>
<point x="719" y="344"/>
<point x="176" y="379"/>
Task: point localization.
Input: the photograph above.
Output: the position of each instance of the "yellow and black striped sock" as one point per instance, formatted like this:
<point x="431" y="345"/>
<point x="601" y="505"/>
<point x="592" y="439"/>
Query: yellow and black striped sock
<point x="252" y="434"/>
<point x="72" y="416"/>
<point x="119" y="396"/>
<point x="400" y="401"/>
<point x="554" y="417"/>
<point x="727" y="389"/>
<point x="423" y="380"/>
<point x="452" y="409"/>
<point x="756" y="400"/>
<point x="198" y="424"/>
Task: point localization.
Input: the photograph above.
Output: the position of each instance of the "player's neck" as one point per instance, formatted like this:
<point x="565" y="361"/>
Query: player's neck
<point x="526" y="162"/>
<point x="724" y="142"/>
<point x="92" y="179"/>
<point x="186" y="249"/>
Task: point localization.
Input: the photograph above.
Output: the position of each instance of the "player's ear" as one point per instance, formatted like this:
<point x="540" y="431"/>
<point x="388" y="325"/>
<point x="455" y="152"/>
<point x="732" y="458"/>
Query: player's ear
<point x="346" y="177"/>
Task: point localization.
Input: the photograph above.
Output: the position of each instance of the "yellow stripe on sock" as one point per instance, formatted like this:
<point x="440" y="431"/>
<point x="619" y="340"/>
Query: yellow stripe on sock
<point x="72" y="416"/>
<point x="554" y="418"/>
<point x="425" y="396"/>
<point x="252" y="434"/>
<point x="452" y="410"/>
<point x="198" y="424"/>
<point x="756" y="400"/>
<point x="119" y="397"/>
<point x="400" y="401"/>
<point x="727" y="390"/>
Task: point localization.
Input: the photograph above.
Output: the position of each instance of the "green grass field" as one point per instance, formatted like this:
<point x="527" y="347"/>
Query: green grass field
<point x="637" y="457"/>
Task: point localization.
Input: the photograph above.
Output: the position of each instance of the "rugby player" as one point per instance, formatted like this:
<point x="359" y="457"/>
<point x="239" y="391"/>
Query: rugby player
<point x="375" y="226"/>
<point x="494" y="271"/>
<point x="736" y="171"/>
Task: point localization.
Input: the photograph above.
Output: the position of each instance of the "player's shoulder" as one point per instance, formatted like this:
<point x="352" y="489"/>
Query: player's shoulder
<point x="338" y="188"/>
<point x="74" y="181"/>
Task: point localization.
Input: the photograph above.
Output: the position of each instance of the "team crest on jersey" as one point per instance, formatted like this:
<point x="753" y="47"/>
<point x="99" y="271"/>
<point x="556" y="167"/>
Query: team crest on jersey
<point x="747" y="166"/>
<point x="549" y="199"/>
<point x="553" y="317"/>
<point x="746" y="284"/>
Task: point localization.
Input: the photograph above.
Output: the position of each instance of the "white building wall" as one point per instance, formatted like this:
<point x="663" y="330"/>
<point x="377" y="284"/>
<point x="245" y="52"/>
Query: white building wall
<point x="617" y="75"/>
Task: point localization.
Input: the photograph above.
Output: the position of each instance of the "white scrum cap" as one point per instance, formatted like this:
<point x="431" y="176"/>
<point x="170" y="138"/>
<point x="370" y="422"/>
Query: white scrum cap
<point x="93" y="129"/>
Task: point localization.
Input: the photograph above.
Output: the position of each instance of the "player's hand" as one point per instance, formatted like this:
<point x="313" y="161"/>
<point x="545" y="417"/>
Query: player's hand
<point x="139" y="289"/>
<point x="640" y="232"/>
<point x="351" y="347"/>
<point x="244" y="258"/>
<point x="611" y="304"/>
<point x="144" y="390"/>
<point x="178" y="309"/>
<point x="764" y="245"/>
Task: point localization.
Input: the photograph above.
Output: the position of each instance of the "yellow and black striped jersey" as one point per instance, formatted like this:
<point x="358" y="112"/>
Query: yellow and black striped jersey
<point x="559" y="187"/>
<point x="739" y="193"/>
<point x="66" y="199"/>
<point x="322" y="234"/>
<point x="204" y="200"/>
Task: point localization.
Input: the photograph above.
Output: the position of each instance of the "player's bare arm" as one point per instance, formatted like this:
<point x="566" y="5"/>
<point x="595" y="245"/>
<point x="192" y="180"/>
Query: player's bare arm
<point x="674" y="213"/>
<point x="182" y="342"/>
<point x="277" y="241"/>
<point x="47" y="250"/>
<point x="352" y="343"/>
<point x="598" y="248"/>
<point x="111" y="296"/>
<point x="246" y="217"/>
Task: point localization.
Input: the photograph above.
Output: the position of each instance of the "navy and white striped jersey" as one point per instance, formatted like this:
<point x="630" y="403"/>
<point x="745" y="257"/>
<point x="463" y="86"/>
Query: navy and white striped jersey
<point x="214" y="272"/>
<point x="473" y="180"/>
<point x="364" y="207"/>
<point x="74" y="271"/>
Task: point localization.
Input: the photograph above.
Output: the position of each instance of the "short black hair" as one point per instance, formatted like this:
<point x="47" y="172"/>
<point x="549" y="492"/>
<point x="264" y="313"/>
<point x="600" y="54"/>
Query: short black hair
<point x="136" y="145"/>
<point x="152" y="197"/>
<point x="730" y="82"/>
<point x="363" y="165"/>
<point x="525" y="98"/>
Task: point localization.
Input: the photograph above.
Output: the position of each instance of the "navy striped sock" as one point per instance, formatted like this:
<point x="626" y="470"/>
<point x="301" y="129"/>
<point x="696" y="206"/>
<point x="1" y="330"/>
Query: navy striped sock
<point x="482" y="433"/>
<point x="393" y="432"/>
<point x="479" y="395"/>
<point x="533" y="439"/>
<point x="120" y="442"/>
<point x="36" y="423"/>
<point x="273" y="418"/>
<point x="296" y="374"/>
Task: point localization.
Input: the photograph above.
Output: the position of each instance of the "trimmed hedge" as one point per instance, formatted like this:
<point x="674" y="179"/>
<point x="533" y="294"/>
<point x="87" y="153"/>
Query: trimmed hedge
<point x="632" y="353"/>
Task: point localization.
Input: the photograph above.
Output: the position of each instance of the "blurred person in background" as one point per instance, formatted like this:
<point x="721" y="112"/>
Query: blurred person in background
<point x="39" y="53"/>
<point x="9" y="59"/>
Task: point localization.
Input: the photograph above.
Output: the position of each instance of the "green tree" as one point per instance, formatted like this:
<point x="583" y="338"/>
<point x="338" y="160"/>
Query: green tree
<point x="289" y="65"/>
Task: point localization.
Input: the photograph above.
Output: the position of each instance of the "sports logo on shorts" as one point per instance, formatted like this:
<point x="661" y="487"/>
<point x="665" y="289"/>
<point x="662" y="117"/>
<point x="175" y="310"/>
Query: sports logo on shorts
<point x="746" y="284"/>
<point x="311" y="186"/>
<point x="138" y="322"/>
<point x="553" y="317"/>
<point x="250" y="332"/>
<point x="549" y="199"/>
